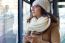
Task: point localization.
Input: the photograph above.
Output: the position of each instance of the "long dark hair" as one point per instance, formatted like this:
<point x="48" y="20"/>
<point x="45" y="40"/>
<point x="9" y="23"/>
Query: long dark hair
<point x="45" y="14"/>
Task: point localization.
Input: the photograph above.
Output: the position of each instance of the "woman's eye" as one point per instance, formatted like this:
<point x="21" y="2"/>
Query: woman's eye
<point x="36" y="6"/>
<point x="33" y="7"/>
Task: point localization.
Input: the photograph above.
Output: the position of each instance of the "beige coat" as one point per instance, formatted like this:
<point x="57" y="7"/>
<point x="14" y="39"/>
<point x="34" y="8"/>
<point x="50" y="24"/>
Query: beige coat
<point x="49" y="36"/>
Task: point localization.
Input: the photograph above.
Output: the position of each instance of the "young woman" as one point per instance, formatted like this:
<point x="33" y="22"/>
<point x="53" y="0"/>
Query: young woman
<point x="42" y="26"/>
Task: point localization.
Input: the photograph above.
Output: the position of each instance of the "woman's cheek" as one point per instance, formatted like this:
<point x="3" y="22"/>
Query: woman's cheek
<point x="36" y="11"/>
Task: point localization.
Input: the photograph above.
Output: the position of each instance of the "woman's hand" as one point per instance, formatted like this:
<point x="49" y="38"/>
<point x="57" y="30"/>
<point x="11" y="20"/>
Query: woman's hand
<point x="34" y="39"/>
<point x="28" y="38"/>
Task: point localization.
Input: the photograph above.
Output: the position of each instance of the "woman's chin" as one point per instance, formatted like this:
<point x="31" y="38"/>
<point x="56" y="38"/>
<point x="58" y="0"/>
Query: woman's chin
<point x="34" y="15"/>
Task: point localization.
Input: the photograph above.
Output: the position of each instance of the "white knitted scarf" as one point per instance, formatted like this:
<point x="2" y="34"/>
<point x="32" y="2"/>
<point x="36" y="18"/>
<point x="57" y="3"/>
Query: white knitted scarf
<point x="40" y="24"/>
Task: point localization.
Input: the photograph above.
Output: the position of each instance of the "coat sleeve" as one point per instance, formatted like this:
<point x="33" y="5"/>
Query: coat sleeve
<point x="55" y="36"/>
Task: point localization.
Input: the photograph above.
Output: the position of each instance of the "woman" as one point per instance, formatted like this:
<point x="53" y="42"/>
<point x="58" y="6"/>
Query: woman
<point x="42" y="26"/>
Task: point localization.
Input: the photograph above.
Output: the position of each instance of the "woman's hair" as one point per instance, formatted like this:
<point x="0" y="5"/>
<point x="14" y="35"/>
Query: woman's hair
<point x="45" y="14"/>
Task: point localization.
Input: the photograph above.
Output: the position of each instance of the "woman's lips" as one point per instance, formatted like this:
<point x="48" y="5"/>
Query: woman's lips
<point x="33" y="12"/>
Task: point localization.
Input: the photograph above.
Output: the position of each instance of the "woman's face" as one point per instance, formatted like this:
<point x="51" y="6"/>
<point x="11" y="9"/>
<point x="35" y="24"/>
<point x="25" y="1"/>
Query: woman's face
<point x="36" y="10"/>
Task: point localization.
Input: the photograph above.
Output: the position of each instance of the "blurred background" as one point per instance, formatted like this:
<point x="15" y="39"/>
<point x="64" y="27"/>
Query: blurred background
<point x="8" y="21"/>
<point x="57" y="9"/>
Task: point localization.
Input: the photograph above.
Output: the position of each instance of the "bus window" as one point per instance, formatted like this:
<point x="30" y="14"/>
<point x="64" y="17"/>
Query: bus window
<point x="61" y="8"/>
<point x="26" y="14"/>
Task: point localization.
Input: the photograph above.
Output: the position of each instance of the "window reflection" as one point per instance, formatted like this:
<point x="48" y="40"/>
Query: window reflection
<point x="8" y="21"/>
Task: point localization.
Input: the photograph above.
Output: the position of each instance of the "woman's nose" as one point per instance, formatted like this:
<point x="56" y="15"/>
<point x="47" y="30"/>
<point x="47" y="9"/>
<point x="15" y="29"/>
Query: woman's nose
<point x="32" y="8"/>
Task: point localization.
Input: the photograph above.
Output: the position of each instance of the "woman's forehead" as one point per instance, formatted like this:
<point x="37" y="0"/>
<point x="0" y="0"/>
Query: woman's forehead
<point x="35" y="6"/>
